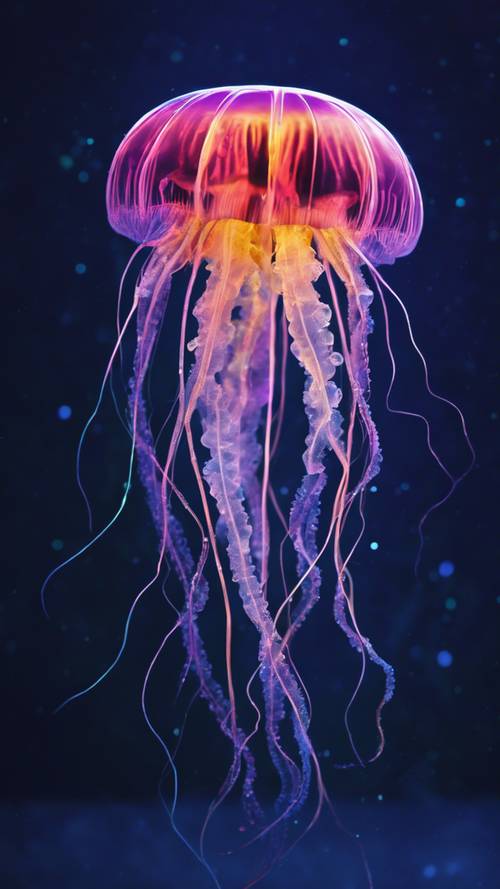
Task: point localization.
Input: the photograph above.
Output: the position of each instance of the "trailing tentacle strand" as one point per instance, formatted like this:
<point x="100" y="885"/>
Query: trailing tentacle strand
<point x="312" y="344"/>
<point x="153" y="296"/>
<point x="360" y="325"/>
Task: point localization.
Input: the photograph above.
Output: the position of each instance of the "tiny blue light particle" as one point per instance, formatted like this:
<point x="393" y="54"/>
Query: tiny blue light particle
<point x="374" y="545"/>
<point x="380" y="797"/>
<point x="176" y="56"/>
<point x="343" y="41"/>
<point x="405" y="486"/>
<point x="451" y="603"/>
<point x="176" y="732"/>
<point x="444" y="658"/>
<point x="446" y="568"/>
<point x="64" y="412"/>
<point x="57" y="544"/>
<point x="460" y="202"/>
<point x="80" y="268"/>
<point x="429" y="871"/>
<point x="89" y="140"/>
<point x="284" y="490"/>
<point x="373" y="489"/>
<point x="83" y="176"/>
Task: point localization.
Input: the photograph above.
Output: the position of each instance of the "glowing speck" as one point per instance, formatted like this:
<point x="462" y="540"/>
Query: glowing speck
<point x="374" y="545"/>
<point x="488" y="143"/>
<point x="344" y="41"/>
<point x="176" y="56"/>
<point x="446" y="568"/>
<point x="64" y="412"/>
<point x="380" y="797"/>
<point x="80" y="268"/>
<point x="57" y="544"/>
<point x="405" y="486"/>
<point x="373" y="489"/>
<point x="429" y="871"/>
<point x="460" y="202"/>
<point x="450" y="603"/>
<point x="444" y="658"/>
<point x="89" y="140"/>
<point x="83" y="176"/>
<point x="392" y="88"/>
<point x="284" y="490"/>
<point x="66" y="161"/>
<point x="176" y="732"/>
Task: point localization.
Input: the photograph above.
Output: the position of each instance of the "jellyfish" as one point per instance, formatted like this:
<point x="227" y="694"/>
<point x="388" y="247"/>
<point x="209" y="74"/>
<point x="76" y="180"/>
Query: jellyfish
<point x="278" y="199"/>
<point x="279" y="204"/>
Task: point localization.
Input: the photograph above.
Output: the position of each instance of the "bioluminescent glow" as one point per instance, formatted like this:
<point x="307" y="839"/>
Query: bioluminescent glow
<point x="283" y="197"/>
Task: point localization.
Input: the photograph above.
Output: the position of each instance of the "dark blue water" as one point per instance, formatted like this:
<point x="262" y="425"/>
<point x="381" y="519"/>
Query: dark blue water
<point x="128" y="846"/>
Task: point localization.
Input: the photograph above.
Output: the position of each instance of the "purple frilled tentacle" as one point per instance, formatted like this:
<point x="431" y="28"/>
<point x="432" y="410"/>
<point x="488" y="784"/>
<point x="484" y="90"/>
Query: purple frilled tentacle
<point x="153" y="292"/>
<point x="360" y="325"/>
<point x="312" y="344"/>
<point x="230" y="404"/>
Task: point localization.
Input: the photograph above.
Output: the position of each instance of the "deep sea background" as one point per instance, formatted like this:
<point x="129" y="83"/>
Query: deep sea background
<point x="79" y="805"/>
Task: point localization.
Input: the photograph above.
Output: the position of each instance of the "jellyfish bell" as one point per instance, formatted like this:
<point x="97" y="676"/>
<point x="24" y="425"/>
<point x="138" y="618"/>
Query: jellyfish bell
<point x="268" y="156"/>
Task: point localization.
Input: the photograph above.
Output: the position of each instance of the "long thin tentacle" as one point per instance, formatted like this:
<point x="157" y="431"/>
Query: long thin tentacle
<point x="194" y="584"/>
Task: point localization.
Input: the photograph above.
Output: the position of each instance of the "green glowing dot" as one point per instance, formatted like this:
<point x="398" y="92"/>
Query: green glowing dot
<point x="66" y="161"/>
<point x="450" y="603"/>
